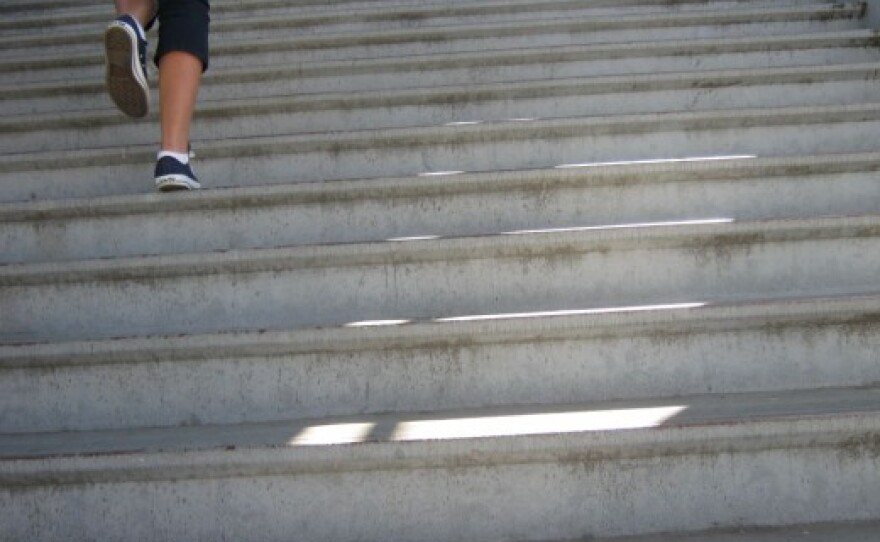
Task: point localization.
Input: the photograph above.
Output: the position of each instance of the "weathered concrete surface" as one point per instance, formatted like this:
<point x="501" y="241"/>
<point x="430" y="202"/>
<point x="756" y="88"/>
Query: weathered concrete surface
<point x="872" y="16"/>
<point x="306" y="452"/>
<point x="508" y="144"/>
<point x="857" y="531"/>
<point x="622" y="353"/>
<point x="741" y="188"/>
<point x="776" y="459"/>
<point x="700" y="261"/>
<point x="479" y="67"/>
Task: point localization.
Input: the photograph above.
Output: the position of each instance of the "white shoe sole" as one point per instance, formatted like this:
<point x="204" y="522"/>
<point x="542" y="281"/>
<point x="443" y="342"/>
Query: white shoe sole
<point x="126" y="80"/>
<point x="170" y="183"/>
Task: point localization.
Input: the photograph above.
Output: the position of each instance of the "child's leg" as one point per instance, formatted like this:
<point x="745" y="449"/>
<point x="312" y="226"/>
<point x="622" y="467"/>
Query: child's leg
<point x="142" y="10"/>
<point x="179" y="76"/>
<point x="182" y="57"/>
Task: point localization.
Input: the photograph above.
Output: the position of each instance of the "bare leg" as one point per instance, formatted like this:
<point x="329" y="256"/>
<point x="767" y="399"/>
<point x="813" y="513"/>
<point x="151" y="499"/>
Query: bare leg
<point x="180" y="74"/>
<point x="142" y="10"/>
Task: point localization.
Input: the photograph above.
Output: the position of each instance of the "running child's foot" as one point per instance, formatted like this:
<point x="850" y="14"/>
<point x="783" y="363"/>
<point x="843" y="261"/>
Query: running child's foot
<point x="126" y="57"/>
<point x="173" y="175"/>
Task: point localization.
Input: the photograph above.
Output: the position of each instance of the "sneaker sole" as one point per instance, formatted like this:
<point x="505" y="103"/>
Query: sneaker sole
<point x="126" y="82"/>
<point x="173" y="183"/>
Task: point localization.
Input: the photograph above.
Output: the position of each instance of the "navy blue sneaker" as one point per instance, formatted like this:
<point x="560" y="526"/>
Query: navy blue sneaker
<point x="126" y="56"/>
<point x="172" y="175"/>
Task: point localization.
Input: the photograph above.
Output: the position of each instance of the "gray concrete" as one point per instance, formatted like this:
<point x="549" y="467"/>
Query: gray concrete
<point x="511" y="144"/>
<point x="426" y="366"/>
<point x="24" y="31"/>
<point x="428" y="71"/>
<point x="332" y="285"/>
<point x="456" y="205"/>
<point x="244" y="36"/>
<point x="22" y="67"/>
<point x="325" y="344"/>
<point x="872" y="16"/>
<point x="693" y="91"/>
<point x="327" y="16"/>
<point x="726" y="466"/>
<point x="855" y="531"/>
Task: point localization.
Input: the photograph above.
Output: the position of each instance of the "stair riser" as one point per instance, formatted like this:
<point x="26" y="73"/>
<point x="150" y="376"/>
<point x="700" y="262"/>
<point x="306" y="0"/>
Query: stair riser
<point x="308" y="297"/>
<point x="91" y="66"/>
<point x="419" y="76"/>
<point x="76" y="28"/>
<point x="525" y="501"/>
<point x="278" y="121"/>
<point x="660" y="361"/>
<point x="483" y="151"/>
<point x="386" y="216"/>
<point x="228" y="55"/>
<point x="15" y="8"/>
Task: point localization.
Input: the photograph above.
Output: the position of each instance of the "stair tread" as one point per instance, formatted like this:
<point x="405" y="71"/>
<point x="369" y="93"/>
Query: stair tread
<point x="512" y="129"/>
<point x="545" y="54"/>
<point x="648" y="171"/>
<point x="322" y="10"/>
<point x="451" y="94"/>
<point x="844" y="531"/>
<point x="687" y="315"/>
<point x="582" y="22"/>
<point x="447" y="35"/>
<point x="716" y="423"/>
<point x="501" y="245"/>
<point x="615" y="319"/>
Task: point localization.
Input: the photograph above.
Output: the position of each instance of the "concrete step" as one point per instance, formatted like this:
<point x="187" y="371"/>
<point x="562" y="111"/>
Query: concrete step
<point x="729" y="461"/>
<point x="81" y="38"/>
<point x="466" y="270"/>
<point x="450" y="205"/>
<point x="80" y="26"/>
<point x="849" y="531"/>
<point x="612" y="95"/>
<point x="513" y="144"/>
<point x="35" y="21"/>
<point x="21" y="67"/>
<point x="485" y="67"/>
<point x="688" y="261"/>
<point x="460" y="362"/>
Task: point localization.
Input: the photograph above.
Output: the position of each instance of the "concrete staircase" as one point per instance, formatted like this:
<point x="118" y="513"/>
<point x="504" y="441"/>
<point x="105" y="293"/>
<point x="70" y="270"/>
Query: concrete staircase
<point x="463" y="271"/>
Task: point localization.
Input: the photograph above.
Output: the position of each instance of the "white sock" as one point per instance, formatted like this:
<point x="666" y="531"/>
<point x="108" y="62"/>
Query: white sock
<point x="181" y="157"/>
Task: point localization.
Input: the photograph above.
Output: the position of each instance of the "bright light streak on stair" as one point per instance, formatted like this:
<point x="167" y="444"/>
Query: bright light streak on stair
<point x="464" y="123"/>
<point x="377" y="323"/>
<point x="704" y="221"/>
<point x="415" y="238"/>
<point x="659" y="161"/>
<point x="573" y="312"/>
<point x="492" y="426"/>
<point x="332" y="434"/>
<point x="535" y="424"/>
<point x="439" y="173"/>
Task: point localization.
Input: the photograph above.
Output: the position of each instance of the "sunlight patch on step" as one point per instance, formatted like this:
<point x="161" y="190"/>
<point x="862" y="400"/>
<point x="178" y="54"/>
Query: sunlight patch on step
<point x="489" y="426"/>
<point x="535" y="424"/>
<point x="659" y="161"/>
<point x="415" y="238"/>
<point x="572" y="312"/>
<point x="650" y="161"/>
<point x="342" y="433"/>
<point x="439" y="173"/>
<point x="377" y="323"/>
<point x="696" y="222"/>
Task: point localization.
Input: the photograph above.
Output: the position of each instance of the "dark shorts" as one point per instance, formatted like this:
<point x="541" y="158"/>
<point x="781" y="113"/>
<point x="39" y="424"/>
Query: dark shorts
<point x="183" y="26"/>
